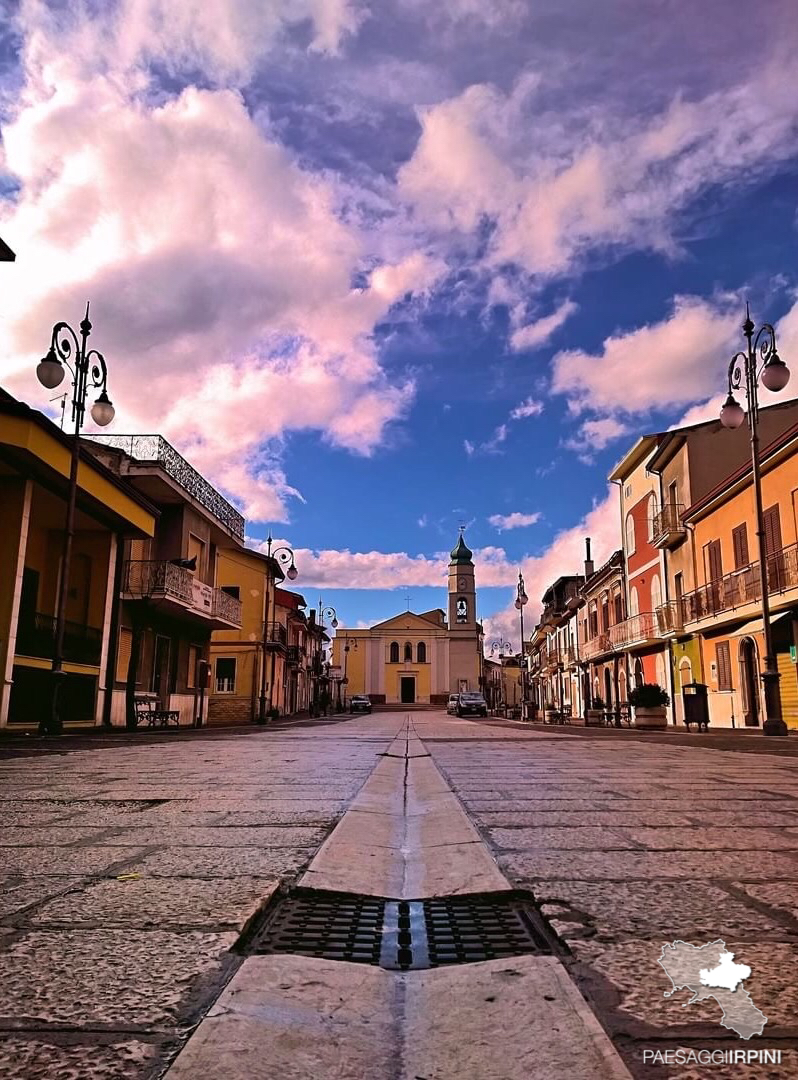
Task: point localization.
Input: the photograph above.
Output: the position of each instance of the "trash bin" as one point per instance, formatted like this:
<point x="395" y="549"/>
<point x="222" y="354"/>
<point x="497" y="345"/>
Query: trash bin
<point x="696" y="706"/>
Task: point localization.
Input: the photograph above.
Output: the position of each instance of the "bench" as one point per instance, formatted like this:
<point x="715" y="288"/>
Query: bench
<point x="149" y="715"/>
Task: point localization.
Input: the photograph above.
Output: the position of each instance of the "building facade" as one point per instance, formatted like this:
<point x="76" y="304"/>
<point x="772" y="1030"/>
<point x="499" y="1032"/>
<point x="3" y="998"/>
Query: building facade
<point x="418" y="659"/>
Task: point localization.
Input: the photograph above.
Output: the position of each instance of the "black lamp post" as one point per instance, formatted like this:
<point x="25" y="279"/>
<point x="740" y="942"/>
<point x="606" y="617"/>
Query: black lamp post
<point x="285" y="556"/>
<point x="503" y="648"/>
<point x="521" y="599"/>
<point x="775" y="375"/>
<point x="345" y="681"/>
<point x="89" y="369"/>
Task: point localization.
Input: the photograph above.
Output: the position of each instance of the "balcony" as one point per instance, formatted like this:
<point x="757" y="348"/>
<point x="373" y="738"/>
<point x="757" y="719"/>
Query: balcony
<point x="670" y="620"/>
<point x="667" y="527"/>
<point x="742" y="587"/>
<point x="596" y="646"/>
<point x="36" y="637"/>
<point x="178" y="590"/>
<point x="276" y="636"/>
<point x="637" y="630"/>
<point x="292" y="653"/>
<point x="154" y="448"/>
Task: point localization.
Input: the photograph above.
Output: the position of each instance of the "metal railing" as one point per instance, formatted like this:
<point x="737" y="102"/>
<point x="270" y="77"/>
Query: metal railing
<point x="275" y="634"/>
<point x="292" y="654"/>
<point x="155" y="448"/>
<point x="36" y="637"/>
<point x="641" y="627"/>
<point x="226" y="607"/>
<point x="149" y="577"/>
<point x="669" y="618"/>
<point x="668" y="522"/>
<point x="742" y="586"/>
<point x="596" y="645"/>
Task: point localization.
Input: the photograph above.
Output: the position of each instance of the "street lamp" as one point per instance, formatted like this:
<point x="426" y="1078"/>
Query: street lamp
<point x="775" y="375"/>
<point x="502" y="647"/>
<point x="521" y="599"/>
<point x="89" y="369"/>
<point x="345" y="680"/>
<point x="283" y="555"/>
<point x="328" y="611"/>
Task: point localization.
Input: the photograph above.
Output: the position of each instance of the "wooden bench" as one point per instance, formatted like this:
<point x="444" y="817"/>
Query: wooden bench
<point x="148" y="714"/>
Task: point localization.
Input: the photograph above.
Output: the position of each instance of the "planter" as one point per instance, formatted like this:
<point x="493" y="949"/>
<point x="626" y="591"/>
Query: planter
<point x="652" y="718"/>
<point x="549" y="716"/>
<point x="594" y="718"/>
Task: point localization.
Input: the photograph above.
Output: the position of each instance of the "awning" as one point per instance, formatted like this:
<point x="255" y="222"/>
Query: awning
<point x="752" y="626"/>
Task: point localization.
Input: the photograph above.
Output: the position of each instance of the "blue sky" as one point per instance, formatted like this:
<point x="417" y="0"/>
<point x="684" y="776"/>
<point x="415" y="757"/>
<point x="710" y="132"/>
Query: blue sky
<point x="380" y="271"/>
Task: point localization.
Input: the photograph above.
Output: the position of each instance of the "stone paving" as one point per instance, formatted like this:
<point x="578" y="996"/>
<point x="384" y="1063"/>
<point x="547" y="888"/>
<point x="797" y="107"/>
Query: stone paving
<point x="630" y="845"/>
<point x="128" y="872"/>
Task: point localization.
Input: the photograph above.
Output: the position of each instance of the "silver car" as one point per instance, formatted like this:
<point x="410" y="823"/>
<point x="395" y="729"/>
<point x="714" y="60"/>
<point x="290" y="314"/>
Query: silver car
<point x="451" y="705"/>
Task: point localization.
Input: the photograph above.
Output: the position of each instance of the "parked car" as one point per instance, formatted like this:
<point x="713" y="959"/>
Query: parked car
<point x="472" y="703"/>
<point x="451" y="705"/>
<point x="360" y="703"/>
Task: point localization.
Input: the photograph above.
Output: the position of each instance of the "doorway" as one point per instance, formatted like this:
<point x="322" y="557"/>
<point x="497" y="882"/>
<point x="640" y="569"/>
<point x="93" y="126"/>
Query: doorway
<point x="407" y="689"/>
<point x="160" y="670"/>
<point x="749" y="679"/>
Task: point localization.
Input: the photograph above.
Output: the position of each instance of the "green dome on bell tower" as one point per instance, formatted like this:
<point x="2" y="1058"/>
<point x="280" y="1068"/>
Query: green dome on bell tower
<point x="461" y="554"/>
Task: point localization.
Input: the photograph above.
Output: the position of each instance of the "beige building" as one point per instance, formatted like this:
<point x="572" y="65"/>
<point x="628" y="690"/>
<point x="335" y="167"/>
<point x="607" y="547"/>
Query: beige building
<point x="418" y="659"/>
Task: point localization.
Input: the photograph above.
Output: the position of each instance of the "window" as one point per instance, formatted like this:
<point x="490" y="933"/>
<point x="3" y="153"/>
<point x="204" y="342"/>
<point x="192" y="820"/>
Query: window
<point x="123" y="653"/>
<point x="421" y="652"/>
<point x="225" y="675"/>
<point x="634" y="602"/>
<point x="462" y="609"/>
<point x="196" y="548"/>
<point x="740" y="546"/>
<point x="393" y="652"/>
<point x="408" y="652"/>
<point x="618" y="604"/>
<point x="656" y="592"/>
<point x="605" y="612"/>
<point x="191" y="673"/>
<point x="232" y="590"/>
<point x="724" y="665"/>
<point x="652" y="513"/>
<point x="593" y="615"/>
<point x="630" y="534"/>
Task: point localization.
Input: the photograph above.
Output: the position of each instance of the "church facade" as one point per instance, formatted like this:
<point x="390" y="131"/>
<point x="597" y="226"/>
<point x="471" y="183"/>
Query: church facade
<point x="418" y="658"/>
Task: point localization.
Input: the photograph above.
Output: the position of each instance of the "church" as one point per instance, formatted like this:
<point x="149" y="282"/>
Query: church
<point x="418" y="659"/>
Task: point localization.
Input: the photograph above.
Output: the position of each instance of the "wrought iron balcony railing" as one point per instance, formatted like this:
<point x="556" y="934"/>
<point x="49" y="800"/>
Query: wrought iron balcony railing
<point x="36" y="637"/>
<point x="595" y="646"/>
<point x="635" y="629"/>
<point x="275" y="634"/>
<point x="668" y="526"/>
<point x="669" y="618"/>
<point x="157" y="579"/>
<point x="292" y="654"/>
<point x="226" y="607"/>
<point x="155" y="448"/>
<point x="742" y="586"/>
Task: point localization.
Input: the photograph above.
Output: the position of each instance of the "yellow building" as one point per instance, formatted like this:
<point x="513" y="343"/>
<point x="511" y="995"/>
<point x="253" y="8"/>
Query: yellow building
<point x="34" y="472"/>
<point x="418" y="659"/>
<point x="246" y="664"/>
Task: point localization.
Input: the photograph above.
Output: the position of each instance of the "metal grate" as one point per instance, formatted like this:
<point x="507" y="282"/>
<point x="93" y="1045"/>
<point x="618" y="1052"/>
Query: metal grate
<point x="402" y="935"/>
<point x="335" y="926"/>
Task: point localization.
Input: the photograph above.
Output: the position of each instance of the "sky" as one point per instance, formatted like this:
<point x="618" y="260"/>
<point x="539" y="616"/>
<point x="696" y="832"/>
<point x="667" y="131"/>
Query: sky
<point x="380" y="270"/>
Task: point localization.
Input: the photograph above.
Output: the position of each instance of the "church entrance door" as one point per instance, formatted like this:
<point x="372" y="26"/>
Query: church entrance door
<point x="407" y="689"/>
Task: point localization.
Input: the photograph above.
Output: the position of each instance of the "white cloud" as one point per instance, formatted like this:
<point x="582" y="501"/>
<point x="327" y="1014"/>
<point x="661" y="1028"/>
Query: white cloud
<point x="594" y="435"/>
<point x="537" y="333"/>
<point x="515" y="520"/>
<point x="527" y="408"/>
<point x="673" y="362"/>
<point x="390" y="570"/>
<point x="224" y="327"/>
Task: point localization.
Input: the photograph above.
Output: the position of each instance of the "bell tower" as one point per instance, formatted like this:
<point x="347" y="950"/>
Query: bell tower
<point x="464" y="641"/>
<point x="462" y="589"/>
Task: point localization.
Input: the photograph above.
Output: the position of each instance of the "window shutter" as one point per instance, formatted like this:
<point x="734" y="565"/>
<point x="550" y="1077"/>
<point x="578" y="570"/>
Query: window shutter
<point x="724" y="665"/>
<point x="123" y="653"/>
<point x="772" y="530"/>
<point x="740" y="544"/>
<point x="714" y="563"/>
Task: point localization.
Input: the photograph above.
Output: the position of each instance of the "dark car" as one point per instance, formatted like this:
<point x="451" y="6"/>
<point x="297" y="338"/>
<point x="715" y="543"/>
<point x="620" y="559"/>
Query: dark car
<point x="359" y="703"/>
<point x="472" y="703"/>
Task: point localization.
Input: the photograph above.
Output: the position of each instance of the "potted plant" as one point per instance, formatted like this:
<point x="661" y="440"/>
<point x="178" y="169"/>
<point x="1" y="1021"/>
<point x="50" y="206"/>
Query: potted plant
<point x="595" y="712"/>
<point x="649" y="701"/>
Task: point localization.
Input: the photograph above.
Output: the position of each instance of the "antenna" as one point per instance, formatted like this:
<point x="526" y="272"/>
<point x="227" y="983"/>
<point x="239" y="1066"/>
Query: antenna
<point x="407" y="598"/>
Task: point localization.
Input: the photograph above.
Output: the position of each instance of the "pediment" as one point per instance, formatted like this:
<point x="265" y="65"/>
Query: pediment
<point x="407" y="620"/>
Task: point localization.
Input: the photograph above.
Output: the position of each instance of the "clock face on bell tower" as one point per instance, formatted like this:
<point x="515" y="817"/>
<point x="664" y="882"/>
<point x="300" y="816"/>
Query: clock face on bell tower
<point x="462" y="589"/>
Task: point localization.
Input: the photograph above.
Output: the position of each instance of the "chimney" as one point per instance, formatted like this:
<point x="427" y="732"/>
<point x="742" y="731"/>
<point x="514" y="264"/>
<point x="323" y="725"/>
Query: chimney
<point x="588" y="560"/>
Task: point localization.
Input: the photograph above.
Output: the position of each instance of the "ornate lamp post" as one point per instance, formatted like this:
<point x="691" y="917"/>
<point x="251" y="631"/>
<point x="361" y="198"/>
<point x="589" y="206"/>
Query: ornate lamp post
<point x="89" y="369"/>
<point x="775" y="375"/>
<point x="503" y="648"/>
<point x="328" y="612"/>
<point x="521" y="599"/>
<point x="345" y="681"/>
<point x="285" y="556"/>
<point x="332" y="615"/>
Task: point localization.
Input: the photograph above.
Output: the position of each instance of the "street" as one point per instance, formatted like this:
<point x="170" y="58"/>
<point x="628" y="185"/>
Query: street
<point x="131" y="870"/>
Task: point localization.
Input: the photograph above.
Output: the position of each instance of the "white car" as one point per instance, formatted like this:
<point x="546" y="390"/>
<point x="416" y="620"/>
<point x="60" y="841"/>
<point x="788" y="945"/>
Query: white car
<point x="451" y="705"/>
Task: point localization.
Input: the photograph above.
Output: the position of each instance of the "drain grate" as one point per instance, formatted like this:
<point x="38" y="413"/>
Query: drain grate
<point x="401" y="935"/>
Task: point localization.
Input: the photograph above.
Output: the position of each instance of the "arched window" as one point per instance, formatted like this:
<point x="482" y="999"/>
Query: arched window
<point x="656" y="592"/>
<point x="634" y="602"/>
<point x="630" y="534"/>
<point x="651" y="514"/>
<point x="394" y="652"/>
<point x="421" y="653"/>
<point x="408" y="651"/>
<point x="639" y="679"/>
